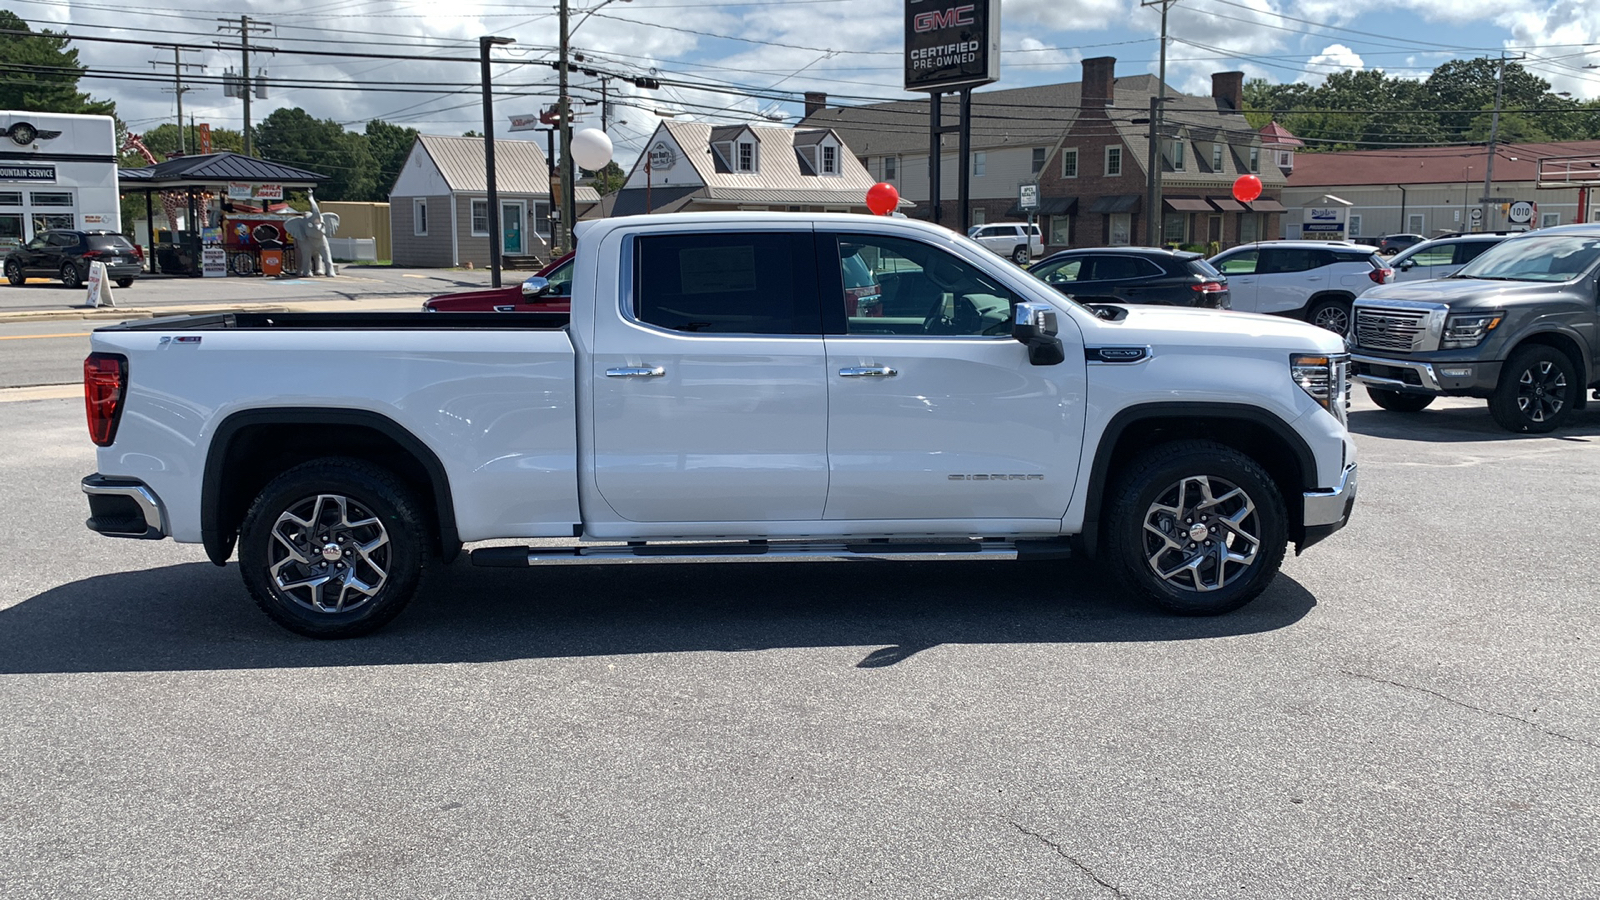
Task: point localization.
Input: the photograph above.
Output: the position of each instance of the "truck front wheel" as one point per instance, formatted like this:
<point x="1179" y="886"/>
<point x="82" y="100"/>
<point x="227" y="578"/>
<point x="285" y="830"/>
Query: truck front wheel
<point x="333" y="548"/>
<point x="1535" y="392"/>
<point x="1197" y="527"/>
<point x="1399" y="401"/>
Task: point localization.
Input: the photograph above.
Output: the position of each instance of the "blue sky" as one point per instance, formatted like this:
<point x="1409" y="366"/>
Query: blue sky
<point x="716" y="51"/>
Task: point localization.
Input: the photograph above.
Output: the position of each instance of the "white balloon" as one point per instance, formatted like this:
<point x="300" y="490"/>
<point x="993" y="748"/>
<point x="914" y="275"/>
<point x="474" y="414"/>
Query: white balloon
<point x="591" y="149"/>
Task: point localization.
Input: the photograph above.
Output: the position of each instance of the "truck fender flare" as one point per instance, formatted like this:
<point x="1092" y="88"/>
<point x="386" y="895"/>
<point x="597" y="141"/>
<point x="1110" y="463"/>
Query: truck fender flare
<point x="1203" y="413"/>
<point x="1568" y="342"/>
<point x="218" y="540"/>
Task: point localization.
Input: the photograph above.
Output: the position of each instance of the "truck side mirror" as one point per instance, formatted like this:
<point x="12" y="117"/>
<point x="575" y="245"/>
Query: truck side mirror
<point x="1406" y="265"/>
<point x="1035" y="325"/>
<point x="535" y="287"/>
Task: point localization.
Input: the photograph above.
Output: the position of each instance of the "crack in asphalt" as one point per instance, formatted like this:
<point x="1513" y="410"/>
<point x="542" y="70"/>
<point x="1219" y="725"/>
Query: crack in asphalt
<point x="1490" y="712"/>
<point x="1068" y="857"/>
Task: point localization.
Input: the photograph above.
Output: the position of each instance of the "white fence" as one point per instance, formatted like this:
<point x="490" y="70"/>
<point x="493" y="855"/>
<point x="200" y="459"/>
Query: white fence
<point x="354" y="249"/>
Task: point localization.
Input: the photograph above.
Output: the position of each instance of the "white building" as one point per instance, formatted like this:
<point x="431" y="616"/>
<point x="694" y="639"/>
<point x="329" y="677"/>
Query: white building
<point x="56" y="171"/>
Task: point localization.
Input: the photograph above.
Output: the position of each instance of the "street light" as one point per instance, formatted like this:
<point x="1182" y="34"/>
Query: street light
<point x="569" y="174"/>
<point x="484" y="43"/>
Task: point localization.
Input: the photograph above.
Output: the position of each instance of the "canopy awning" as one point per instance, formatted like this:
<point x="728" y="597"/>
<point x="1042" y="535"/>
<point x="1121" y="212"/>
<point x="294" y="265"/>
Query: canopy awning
<point x="218" y="168"/>
<point x="1226" y="204"/>
<point x="1048" y="206"/>
<point x="1115" y="203"/>
<point x="1187" y="204"/>
<point x="1267" y="204"/>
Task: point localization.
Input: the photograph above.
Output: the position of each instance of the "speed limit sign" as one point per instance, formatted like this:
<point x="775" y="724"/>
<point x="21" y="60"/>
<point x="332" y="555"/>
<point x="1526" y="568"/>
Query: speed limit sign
<point x="1521" y="212"/>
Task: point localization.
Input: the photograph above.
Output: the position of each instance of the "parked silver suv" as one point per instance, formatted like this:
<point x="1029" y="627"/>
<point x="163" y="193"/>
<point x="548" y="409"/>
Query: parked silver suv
<point x="1311" y="280"/>
<point x="1017" y="241"/>
<point x="1442" y="257"/>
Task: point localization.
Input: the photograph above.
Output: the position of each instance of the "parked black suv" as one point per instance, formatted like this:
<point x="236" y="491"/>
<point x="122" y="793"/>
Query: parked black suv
<point x="1518" y="326"/>
<point x="1134" y="275"/>
<point x="66" y="255"/>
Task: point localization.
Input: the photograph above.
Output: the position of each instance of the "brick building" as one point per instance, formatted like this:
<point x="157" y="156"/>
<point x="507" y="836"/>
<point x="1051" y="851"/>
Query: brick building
<point x="1086" y="145"/>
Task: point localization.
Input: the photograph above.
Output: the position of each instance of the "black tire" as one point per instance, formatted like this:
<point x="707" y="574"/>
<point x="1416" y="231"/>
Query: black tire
<point x="124" y="282"/>
<point x="1400" y="401"/>
<point x="1167" y="488"/>
<point x="1537" y="388"/>
<point x="1334" y="315"/>
<point x="70" y="276"/>
<point x="1020" y="256"/>
<point x="14" y="273"/>
<point x="377" y="584"/>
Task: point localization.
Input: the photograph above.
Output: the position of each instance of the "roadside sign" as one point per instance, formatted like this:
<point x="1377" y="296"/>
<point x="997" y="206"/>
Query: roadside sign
<point x="953" y="46"/>
<point x="1521" y="212"/>
<point x="1477" y="215"/>
<point x="1028" y="197"/>
<point x="524" y="123"/>
<point x="205" y="138"/>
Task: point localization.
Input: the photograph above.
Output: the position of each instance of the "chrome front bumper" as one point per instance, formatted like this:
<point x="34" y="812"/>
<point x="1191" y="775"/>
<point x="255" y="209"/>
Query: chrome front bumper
<point x="124" y="507"/>
<point x="1328" y="511"/>
<point x="1429" y="380"/>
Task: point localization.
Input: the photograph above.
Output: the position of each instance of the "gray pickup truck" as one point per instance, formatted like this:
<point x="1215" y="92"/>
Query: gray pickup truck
<point x="1518" y="326"/>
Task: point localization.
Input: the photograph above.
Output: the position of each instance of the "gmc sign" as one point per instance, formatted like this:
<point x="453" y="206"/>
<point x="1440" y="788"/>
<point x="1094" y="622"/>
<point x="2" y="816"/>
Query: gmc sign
<point x="952" y="44"/>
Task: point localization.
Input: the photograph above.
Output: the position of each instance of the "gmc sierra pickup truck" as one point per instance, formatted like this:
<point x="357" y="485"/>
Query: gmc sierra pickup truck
<point x="713" y="393"/>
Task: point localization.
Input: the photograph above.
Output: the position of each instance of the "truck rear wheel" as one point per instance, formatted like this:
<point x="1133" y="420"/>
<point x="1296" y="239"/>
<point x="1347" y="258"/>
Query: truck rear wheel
<point x="1197" y="527"/>
<point x="1399" y="401"/>
<point x="1536" y="390"/>
<point x="1020" y="255"/>
<point x="333" y="548"/>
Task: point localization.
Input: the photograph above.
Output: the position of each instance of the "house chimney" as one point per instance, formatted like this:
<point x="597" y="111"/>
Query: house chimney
<point x="816" y="101"/>
<point x="1099" y="78"/>
<point x="1227" y="88"/>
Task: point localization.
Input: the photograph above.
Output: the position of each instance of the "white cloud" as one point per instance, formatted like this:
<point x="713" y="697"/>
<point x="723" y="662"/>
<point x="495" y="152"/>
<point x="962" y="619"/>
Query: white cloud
<point x="1333" y="58"/>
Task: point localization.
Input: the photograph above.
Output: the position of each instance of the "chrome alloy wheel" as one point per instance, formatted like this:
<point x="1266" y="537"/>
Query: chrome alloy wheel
<point x="1541" y="391"/>
<point x="1334" y="318"/>
<point x="329" y="554"/>
<point x="1201" y="534"/>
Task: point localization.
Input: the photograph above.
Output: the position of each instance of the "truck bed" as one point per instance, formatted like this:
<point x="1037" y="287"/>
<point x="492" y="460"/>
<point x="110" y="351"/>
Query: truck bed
<point x="350" y="321"/>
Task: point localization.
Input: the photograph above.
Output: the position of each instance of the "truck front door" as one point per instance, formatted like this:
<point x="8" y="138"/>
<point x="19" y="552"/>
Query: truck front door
<point x="708" y="392"/>
<point x="934" y="409"/>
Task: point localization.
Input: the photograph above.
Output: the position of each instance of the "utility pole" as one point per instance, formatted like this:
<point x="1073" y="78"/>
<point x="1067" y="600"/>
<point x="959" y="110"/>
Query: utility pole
<point x="495" y="249"/>
<point x="1158" y="108"/>
<point x="246" y="26"/>
<point x="178" y="87"/>
<point x="1494" y="136"/>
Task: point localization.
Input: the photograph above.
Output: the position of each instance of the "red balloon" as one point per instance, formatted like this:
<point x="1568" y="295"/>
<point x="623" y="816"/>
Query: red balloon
<point x="882" y="198"/>
<point x="1246" y="188"/>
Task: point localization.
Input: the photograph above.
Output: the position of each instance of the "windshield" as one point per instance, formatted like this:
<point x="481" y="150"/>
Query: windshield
<point x="1555" y="258"/>
<point x="109" y="242"/>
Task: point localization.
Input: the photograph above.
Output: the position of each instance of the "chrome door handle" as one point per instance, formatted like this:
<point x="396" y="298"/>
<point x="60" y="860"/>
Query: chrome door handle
<point x="860" y="371"/>
<point x="636" y="372"/>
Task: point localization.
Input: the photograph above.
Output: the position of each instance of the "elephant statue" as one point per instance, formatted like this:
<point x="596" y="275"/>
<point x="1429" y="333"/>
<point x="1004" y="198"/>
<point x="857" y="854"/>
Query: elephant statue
<point x="311" y="232"/>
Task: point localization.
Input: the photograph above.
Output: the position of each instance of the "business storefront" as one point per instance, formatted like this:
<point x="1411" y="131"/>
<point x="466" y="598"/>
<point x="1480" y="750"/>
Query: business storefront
<point x="56" y="171"/>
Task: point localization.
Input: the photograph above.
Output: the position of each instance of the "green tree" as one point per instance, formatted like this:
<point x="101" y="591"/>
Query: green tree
<point x="42" y="72"/>
<point x="1460" y="87"/>
<point x="163" y="142"/>
<point x="608" y="180"/>
<point x="390" y="146"/>
<point x="293" y="137"/>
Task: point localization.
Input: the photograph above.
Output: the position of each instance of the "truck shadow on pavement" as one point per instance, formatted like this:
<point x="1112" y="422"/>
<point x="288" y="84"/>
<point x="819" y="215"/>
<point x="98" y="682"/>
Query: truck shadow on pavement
<point x="197" y="616"/>
<point x="1464" y="425"/>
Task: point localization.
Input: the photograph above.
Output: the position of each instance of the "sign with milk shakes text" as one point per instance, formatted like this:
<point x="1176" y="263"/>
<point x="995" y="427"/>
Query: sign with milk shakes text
<point x="952" y="44"/>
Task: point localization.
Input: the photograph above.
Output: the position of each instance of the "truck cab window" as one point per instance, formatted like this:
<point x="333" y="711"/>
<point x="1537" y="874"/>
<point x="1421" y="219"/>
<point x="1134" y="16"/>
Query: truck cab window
<point x="897" y="286"/>
<point x="749" y="283"/>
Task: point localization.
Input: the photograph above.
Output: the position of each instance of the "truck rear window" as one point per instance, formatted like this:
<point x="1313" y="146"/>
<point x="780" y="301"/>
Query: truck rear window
<point x="728" y="283"/>
<point x="109" y="242"/>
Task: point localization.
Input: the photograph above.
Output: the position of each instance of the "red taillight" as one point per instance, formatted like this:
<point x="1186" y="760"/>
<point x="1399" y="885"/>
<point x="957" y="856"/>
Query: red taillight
<point x="1381" y="276"/>
<point x="105" y="383"/>
<point x="90" y="254"/>
<point x="1209" y="287"/>
<point x="138" y="252"/>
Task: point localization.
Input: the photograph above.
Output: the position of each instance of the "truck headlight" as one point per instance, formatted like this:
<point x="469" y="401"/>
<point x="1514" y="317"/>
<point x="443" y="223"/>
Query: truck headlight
<point x="1468" y="330"/>
<point x="1326" y="378"/>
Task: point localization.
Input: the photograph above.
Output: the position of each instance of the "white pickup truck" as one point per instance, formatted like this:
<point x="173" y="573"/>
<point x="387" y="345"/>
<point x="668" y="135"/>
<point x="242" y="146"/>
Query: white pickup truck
<point x="718" y="391"/>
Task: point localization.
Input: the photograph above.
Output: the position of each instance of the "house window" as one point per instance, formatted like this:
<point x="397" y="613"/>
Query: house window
<point x="747" y="156"/>
<point x="1177" y="156"/>
<point x="541" y="217"/>
<point x="1113" y="161"/>
<point x="1060" y="231"/>
<point x="890" y="170"/>
<point x="1249" y="227"/>
<point x="1069" y="163"/>
<point x="980" y="164"/>
<point x="419" y="217"/>
<point x="10" y="198"/>
<point x="1549" y="220"/>
<point x="1175" y="228"/>
<point x="1414" y="223"/>
<point x="1255" y="159"/>
<point x="1285" y="159"/>
<point x="1216" y="157"/>
<point x="1038" y="159"/>
<point x="50" y="199"/>
<point x="829" y="162"/>
<point x="977" y="215"/>
<point x="480" y="218"/>
<point x="1121" y="230"/>
<point x="1355" y="226"/>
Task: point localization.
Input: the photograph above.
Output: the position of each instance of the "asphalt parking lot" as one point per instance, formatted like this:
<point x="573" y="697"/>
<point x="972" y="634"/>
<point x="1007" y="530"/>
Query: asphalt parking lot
<point x="1410" y="711"/>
